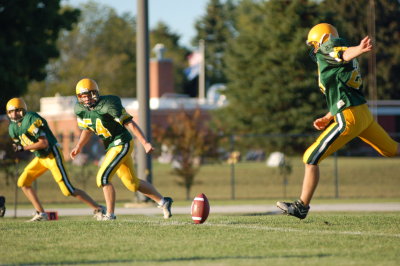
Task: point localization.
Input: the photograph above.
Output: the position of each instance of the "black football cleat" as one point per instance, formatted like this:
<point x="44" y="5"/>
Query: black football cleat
<point x="296" y="209"/>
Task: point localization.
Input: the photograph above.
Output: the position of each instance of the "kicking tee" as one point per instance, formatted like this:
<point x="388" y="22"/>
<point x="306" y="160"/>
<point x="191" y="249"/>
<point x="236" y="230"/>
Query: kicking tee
<point x="106" y="120"/>
<point x="339" y="80"/>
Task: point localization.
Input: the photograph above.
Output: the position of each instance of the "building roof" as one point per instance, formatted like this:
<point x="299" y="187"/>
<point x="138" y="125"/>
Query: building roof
<point x="65" y="104"/>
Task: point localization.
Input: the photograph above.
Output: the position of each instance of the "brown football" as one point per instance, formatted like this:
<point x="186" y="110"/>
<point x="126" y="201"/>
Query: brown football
<point x="200" y="209"/>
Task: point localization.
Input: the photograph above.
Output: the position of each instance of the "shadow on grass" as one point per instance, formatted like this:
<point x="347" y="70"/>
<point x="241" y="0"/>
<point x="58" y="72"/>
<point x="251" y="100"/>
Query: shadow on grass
<point x="263" y="213"/>
<point x="196" y="258"/>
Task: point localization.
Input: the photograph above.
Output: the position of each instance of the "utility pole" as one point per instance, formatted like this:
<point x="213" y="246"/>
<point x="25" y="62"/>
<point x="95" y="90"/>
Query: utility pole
<point x="142" y="62"/>
<point x="202" y="72"/>
<point x="372" y="62"/>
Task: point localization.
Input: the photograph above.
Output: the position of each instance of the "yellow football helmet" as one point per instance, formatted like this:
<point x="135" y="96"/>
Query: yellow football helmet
<point x="320" y="33"/>
<point x="87" y="92"/>
<point x="16" y="104"/>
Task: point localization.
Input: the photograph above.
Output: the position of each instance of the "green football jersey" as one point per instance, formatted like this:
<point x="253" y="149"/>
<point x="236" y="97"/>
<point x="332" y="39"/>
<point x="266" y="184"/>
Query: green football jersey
<point x="339" y="80"/>
<point x="29" y="129"/>
<point x="106" y="120"/>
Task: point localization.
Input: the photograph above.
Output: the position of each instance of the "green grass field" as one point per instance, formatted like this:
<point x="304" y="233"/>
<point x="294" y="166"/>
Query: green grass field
<point x="334" y="238"/>
<point x="237" y="239"/>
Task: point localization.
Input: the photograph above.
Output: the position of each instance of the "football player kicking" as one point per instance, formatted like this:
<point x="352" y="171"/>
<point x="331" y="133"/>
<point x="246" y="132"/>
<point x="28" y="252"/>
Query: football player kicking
<point x="348" y="116"/>
<point x="106" y="117"/>
<point x="29" y="131"/>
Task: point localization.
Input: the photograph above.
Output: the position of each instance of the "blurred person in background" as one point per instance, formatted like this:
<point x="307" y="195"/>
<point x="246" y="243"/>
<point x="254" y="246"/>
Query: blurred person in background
<point x="2" y="206"/>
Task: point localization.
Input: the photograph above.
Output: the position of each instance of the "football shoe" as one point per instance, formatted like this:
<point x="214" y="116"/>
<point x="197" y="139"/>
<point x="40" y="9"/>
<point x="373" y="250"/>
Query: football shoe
<point x="39" y="217"/>
<point x="166" y="207"/>
<point x="296" y="208"/>
<point x="109" y="217"/>
<point x="99" y="213"/>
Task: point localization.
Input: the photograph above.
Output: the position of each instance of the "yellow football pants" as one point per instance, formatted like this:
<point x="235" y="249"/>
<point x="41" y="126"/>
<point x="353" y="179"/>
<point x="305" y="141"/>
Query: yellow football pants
<point x="53" y="162"/>
<point x="118" y="161"/>
<point x="355" y="121"/>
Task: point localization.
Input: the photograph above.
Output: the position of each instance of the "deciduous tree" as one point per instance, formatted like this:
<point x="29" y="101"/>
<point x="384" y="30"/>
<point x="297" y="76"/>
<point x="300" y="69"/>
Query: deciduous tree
<point x="189" y="140"/>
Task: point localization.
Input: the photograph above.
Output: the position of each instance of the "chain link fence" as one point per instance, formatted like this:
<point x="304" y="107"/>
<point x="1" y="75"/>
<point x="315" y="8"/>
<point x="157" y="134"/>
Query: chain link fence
<point x="246" y="169"/>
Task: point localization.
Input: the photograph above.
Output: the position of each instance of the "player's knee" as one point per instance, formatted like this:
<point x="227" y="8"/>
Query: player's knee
<point x="66" y="192"/>
<point x="308" y="160"/>
<point x="132" y="184"/>
<point x="22" y="181"/>
<point x="76" y="192"/>
<point x="102" y="180"/>
<point x="101" y="184"/>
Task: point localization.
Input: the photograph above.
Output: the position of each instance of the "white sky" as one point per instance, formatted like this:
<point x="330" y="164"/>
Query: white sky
<point x="179" y="15"/>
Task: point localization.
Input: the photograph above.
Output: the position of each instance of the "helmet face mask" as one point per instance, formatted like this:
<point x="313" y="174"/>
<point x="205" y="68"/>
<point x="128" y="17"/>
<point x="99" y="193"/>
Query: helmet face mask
<point x="16" y="109"/>
<point x="87" y="92"/>
<point x="88" y="99"/>
<point x="315" y="46"/>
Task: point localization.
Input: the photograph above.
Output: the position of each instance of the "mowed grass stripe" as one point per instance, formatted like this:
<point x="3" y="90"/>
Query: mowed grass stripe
<point x="266" y="228"/>
<point x="321" y="239"/>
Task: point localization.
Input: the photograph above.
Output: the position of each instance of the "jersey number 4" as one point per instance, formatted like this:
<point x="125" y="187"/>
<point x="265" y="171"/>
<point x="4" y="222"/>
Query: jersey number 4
<point x="100" y="129"/>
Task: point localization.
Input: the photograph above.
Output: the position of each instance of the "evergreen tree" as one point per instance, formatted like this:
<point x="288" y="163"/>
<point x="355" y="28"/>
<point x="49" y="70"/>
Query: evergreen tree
<point x="29" y="31"/>
<point x="216" y="28"/>
<point x="351" y="19"/>
<point x="272" y="87"/>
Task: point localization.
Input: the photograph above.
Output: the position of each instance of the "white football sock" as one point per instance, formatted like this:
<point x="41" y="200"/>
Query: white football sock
<point x="161" y="202"/>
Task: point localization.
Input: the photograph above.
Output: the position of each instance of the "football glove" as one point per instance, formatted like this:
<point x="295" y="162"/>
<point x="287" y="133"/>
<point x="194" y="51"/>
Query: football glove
<point x="18" y="147"/>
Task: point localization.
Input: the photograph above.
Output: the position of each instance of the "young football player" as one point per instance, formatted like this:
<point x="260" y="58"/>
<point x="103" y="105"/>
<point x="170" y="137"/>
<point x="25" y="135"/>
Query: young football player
<point x="29" y="131"/>
<point x="107" y="118"/>
<point x="348" y="116"/>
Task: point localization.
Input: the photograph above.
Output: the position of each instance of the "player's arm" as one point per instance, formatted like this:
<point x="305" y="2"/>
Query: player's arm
<point x="134" y="128"/>
<point x="41" y="144"/>
<point x="36" y="131"/>
<point x="83" y="140"/>
<point x="323" y="122"/>
<point x="354" y="51"/>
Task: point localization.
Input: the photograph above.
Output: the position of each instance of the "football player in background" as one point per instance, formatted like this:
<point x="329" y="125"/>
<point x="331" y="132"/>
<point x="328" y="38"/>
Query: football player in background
<point x="2" y="206"/>
<point x="29" y="131"/>
<point x="106" y="117"/>
<point x="348" y="116"/>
